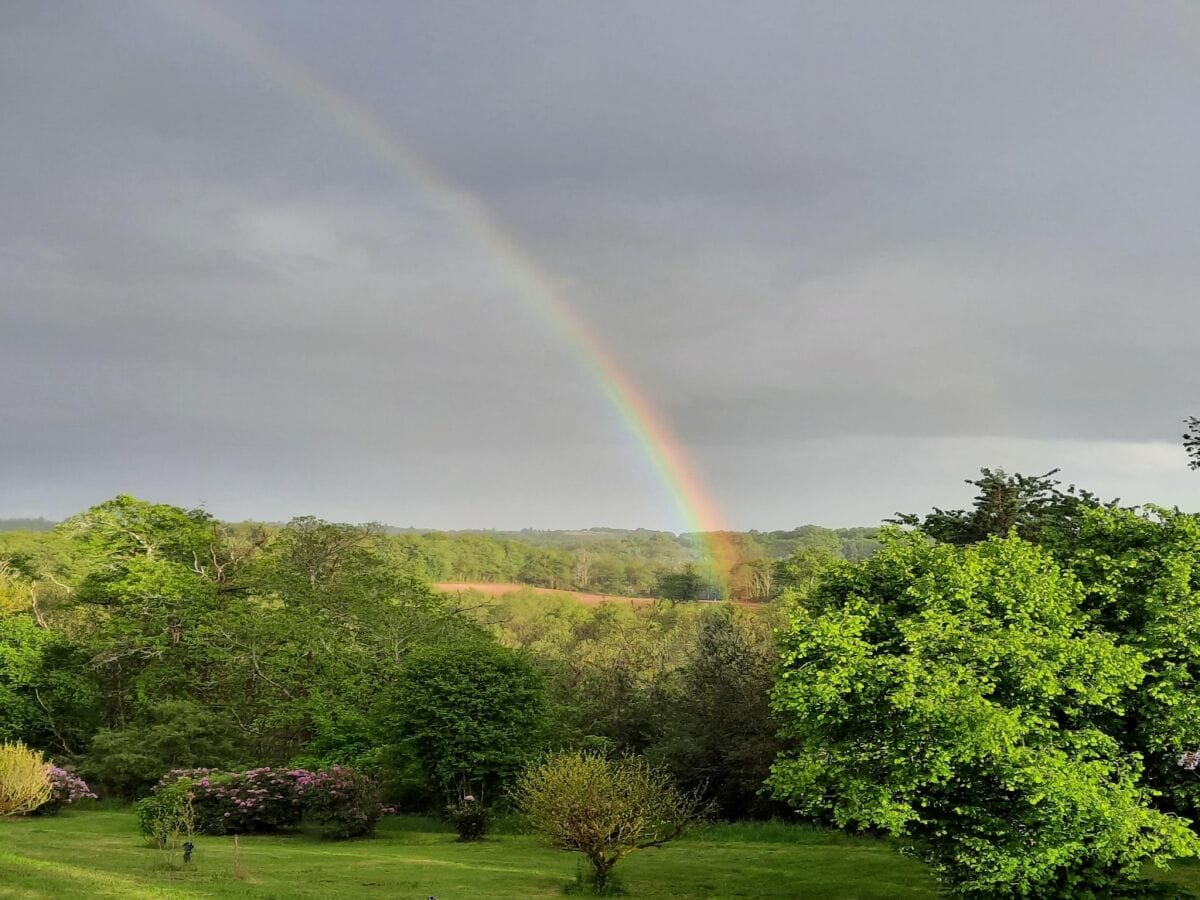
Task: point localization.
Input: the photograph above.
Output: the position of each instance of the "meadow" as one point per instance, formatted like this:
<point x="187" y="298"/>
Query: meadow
<point x="98" y="853"/>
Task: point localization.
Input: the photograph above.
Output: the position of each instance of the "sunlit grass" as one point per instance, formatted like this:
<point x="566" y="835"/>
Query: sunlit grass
<point x="98" y="853"/>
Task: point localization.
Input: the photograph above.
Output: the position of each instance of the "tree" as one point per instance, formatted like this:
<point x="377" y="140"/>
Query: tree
<point x="1140" y="571"/>
<point x="604" y="808"/>
<point x="687" y="584"/>
<point x="1032" y="505"/>
<point x="1191" y="441"/>
<point x="961" y="699"/>
<point x="802" y="571"/>
<point x="717" y="733"/>
<point x="471" y="712"/>
<point x="179" y="734"/>
<point x="47" y="696"/>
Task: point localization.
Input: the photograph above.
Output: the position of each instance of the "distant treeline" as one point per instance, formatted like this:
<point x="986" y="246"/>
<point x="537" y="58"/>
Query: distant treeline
<point x="634" y="563"/>
<point x="630" y="563"/>
<point x="27" y="525"/>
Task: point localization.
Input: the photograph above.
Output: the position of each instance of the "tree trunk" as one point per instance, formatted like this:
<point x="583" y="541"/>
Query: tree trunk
<point x="600" y="869"/>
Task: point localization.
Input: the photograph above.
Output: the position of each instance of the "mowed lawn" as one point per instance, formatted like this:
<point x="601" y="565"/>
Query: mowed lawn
<point x="98" y="853"/>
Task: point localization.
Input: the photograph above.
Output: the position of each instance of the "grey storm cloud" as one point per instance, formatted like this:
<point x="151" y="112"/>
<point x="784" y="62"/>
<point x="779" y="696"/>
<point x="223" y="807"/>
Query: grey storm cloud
<point x="850" y="251"/>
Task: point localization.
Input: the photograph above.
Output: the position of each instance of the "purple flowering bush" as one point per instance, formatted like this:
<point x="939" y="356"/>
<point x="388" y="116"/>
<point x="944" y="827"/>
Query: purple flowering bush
<point x="258" y="800"/>
<point x="344" y="801"/>
<point x="65" y="787"/>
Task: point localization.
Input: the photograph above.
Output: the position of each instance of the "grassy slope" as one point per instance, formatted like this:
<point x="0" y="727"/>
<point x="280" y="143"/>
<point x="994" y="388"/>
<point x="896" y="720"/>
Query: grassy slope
<point x="99" y="854"/>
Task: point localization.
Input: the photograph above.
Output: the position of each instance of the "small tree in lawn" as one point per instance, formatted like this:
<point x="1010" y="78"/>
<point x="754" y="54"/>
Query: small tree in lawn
<point x="604" y="808"/>
<point x="24" y="779"/>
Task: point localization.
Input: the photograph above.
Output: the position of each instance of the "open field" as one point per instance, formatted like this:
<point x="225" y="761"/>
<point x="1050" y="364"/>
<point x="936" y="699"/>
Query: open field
<point x="489" y="589"/>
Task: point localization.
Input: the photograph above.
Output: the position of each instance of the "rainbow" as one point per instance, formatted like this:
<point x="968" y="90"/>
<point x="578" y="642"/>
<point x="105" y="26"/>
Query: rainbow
<point x="695" y="506"/>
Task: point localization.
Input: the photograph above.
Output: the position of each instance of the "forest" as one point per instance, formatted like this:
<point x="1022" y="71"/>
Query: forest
<point x="1005" y="691"/>
<point x="620" y="562"/>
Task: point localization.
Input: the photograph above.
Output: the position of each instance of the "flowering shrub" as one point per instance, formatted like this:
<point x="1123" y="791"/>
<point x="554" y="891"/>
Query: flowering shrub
<point x="65" y="787"/>
<point x="469" y="817"/>
<point x="263" y="799"/>
<point x="343" y="800"/>
<point x="24" y="779"/>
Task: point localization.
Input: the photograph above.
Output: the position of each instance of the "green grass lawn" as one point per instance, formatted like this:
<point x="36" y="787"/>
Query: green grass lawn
<point x="98" y="853"/>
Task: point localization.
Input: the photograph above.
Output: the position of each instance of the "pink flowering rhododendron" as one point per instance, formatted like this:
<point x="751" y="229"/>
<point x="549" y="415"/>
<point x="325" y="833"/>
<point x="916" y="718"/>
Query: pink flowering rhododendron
<point x="258" y="800"/>
<point x="343" y="801"/>
<point x="65" y="787"/>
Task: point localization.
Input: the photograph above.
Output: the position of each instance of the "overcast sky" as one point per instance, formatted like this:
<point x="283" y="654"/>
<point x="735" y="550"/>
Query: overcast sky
<point x="852" y="252"/>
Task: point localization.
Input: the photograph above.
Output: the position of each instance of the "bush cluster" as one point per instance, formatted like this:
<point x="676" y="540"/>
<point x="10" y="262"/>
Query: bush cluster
<point x="470" y="818"/>
<point x="257" y="800"/>
<point x="65" y="787"/>
<point x="343" y="801"/>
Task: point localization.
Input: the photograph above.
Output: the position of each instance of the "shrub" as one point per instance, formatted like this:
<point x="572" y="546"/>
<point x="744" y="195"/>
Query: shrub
<point x="604" y="808"/>
<point x="258" y="800"/>
<point x="64" y="788"/>
<point x="24" y="779"/>
<point x="344" y="801"/>
<point x="167" y="818"/>
<point x="470" y="818"/>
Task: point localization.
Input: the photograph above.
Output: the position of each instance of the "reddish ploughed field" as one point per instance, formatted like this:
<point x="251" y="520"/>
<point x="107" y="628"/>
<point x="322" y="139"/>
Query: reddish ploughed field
<point x="499" y="590"/>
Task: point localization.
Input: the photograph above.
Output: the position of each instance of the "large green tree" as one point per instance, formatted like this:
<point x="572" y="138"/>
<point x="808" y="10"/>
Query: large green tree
<point x="961" y="699"/>
<point x="1140" y="571"/>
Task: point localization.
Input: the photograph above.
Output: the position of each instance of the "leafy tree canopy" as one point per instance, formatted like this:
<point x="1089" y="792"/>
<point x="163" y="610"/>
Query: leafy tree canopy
<point x="958" y="698"/>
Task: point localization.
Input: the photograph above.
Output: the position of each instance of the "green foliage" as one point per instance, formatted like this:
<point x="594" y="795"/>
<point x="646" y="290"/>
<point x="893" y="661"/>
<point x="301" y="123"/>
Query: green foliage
<point x="258" y="800"/>
<point x="177" y="734"/>
<point x="1191" y="441"/>
<point x="47" y="696"/>
<point x="166" y="819"/>
<point x="1033" y="505"/>
<point x="471" y="713"/>
<point x="957" y="698"/>
<point x="799" y="573"/>
<point x="470" y="818"/>
<point x="717" y="734"/>
<point x="687" y="685"/>
<point x="1141" y="576"/>
<point x="686" y="584"/>
<point x="604" y="808"/>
